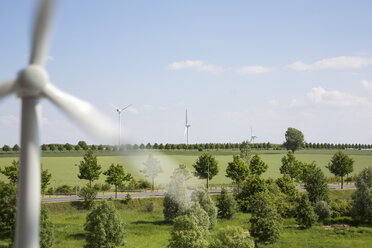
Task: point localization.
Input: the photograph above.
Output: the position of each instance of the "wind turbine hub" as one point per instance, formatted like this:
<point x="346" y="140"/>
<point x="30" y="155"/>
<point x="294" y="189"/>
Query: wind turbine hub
<point x="31" y="81"/>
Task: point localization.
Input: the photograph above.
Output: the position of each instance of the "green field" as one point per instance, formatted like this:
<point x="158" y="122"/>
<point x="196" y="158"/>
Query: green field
<point x="61" y="164"/>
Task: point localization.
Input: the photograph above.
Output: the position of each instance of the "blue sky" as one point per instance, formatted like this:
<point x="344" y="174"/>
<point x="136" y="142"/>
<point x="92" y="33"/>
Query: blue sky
<point x="233" y="64"/>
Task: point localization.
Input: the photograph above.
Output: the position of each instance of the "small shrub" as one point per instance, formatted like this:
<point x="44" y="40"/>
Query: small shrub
<point x="341" y="207"/>
<point x="322" y="209"/>
<point x="50" y="191"/>
<point x="104" y="227"/>
<point x="306" y="216"/>
<point x="362" y="206"/>
<point x="64" y="189"/>
<point x="226" y="205"/>
<point x="339" y="220"/>
<point x="201" y="216"/>
<point x="127" y="199"/>
<point x="89" y="194"/>
<point x="232" y="236"/>
<point x="150" y="206"/>
<point x="143" y="184"/>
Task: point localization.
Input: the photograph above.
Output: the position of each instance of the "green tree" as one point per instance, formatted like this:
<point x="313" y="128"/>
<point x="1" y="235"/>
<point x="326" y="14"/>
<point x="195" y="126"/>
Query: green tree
<point x="294" y="139"/>
<point x="226" y="205"/>
<point x="68" y="147"/>
<point x="341" y="165"/>
<point x="45" y="180"/>
<point x="237" y="170"/>
<point x="315" y="183"/>
<point x="44" y="147"/>
<point x="16" y="148"/>
<point x="251" y="186"/>
<point x="291" y="166"/>
<point x="6" y="148"/>
<point x="245" y="151"/>
<point x="177" y="200"/>
<point x="286" y="185"/>
<point x="11" y="172"/>
<point x="89" y="169"/>
<point x="202" y="197"/>
<point x="89" y="194"/>
<point x="306" y="216"/>
<point x="82" y="144"/>
<point x="7" y="209"/>
<point x="116" y="176"/>
<point x="265" y="221"/>
<point x="104" y="226"/>
<point x="232" y="236"/>
<point x="257" y="166"/>
<point x="46" y="228"/>
<point x="187" y="233"/>
<point x="362" y="205"/>
<point x="152" y="169"/>
<point x="206" y="166"/>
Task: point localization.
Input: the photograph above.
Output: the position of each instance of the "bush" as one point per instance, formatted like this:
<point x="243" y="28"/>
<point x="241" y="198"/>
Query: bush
<point x="187" y="231"/>
<point x="7" y="209"/>
<point x="201" y="215"/>
<point x="265" y="221"/>
<point x="232" y="236"/>
<point x="127" y="199"/>
<point x="341" y="207"/>
<point x="143" y="184"/>
<point x="104" y="227"/>
<point x="286" y="185"/>
<point x="339" y="220"/>
<point x="150" y="206"/>
<point x="202" y="197"/>
<point x="226" y="205"/>
<point x="89" y="194"/>
<point x="46" y="229"/>
<point x="362" y="207"/>
<point x="306" y="216"/>
<point x="64" y="189"/>
<point x="322" y="209"/>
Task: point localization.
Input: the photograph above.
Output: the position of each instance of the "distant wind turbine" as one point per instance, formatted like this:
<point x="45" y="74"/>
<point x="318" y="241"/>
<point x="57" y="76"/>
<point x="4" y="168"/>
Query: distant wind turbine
<point x="252" y="136"/>
<point x="119" y="110"/>
<point x="187" y="126"/>
<point x="31" y="84"/>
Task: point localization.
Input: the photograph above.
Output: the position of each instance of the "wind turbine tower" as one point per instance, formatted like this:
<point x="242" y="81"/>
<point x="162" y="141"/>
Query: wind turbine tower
<point x="187" y="126"/>
<point x="31" y="85"/>
<point x="119" y="110"/>
<point x="252" y="136"/>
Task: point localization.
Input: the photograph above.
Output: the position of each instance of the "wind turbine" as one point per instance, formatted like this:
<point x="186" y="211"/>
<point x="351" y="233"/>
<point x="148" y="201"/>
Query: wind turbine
<point x="187" y="126"/>
<point x="119" y="110"/>
<point x="252" y="137"/>
<point x="31" y="84"/>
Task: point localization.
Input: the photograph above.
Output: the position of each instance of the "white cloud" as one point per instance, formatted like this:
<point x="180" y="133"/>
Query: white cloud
<point x="9" y="120"/>
<point x="273" y="102"/>
<point x="132" y="110"/>
<point x="161" y="108"/>
<point x="367" y="85"/>
<point x="196" y="64"/>
<point x="247" y="70"/>
<point x="147" y="107"/>
<point x="342" y="62"/>
<point x="336" y="98"/>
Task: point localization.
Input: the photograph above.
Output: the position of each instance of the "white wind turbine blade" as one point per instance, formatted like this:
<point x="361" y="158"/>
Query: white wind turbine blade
<point x="126" y="107"/>
<point x="114" y="106"/>
<point x="83" y="112"/>
<point x="7" y="88"/>
<point x="41" y="33"/>
<point x="185" y="131"/>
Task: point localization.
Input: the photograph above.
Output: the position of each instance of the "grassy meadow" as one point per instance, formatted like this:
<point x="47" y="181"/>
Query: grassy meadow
<point x="62" y="164"/>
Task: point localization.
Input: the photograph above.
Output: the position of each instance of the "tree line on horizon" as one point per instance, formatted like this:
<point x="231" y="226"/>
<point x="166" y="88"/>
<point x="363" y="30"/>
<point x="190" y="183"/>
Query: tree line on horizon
<point x="82" y="145"/>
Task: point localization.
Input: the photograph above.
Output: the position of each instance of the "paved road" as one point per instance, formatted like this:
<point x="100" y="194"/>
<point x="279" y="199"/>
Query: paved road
<point x="150" y="194"/>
